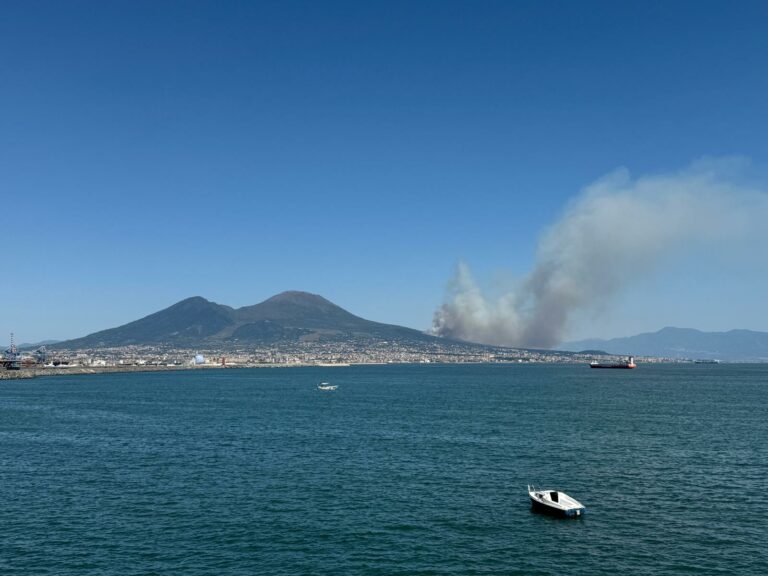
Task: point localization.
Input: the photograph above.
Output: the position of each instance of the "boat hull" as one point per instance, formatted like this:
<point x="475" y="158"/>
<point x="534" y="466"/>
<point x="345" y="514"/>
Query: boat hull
<point x="541" y="508"/>
<point x="626" y="365"/>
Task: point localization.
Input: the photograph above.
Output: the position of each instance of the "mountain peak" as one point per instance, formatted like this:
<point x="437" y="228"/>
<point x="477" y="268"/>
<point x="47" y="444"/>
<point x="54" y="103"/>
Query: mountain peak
<point x="190" y="320"/>
<point x="295" y="307"/>
<point x="192" y="301"/>
<point x="676" y="330"/>
<point x="298" y="297"/>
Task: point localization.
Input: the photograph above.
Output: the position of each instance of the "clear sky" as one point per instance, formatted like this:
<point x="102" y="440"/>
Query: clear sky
<point x="152" y="151"/>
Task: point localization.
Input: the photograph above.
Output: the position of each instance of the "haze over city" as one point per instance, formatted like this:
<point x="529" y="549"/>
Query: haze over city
<point x="510" y="173"/>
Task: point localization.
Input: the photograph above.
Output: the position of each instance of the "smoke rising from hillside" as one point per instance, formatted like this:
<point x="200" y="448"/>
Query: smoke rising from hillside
<point x="617" y="230"/>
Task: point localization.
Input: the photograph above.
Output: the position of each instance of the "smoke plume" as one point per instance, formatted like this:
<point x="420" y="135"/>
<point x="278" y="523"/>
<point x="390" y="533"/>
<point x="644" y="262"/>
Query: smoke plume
<point x="615" y="231"/>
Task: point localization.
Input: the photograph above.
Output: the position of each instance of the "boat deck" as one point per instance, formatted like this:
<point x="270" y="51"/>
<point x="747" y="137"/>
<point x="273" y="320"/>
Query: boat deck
<point x="554" y="501"/>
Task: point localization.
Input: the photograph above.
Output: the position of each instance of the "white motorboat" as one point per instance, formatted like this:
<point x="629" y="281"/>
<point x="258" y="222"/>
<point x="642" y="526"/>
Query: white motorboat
<point x="555" y="502"/>
<point x="326" y="386"/>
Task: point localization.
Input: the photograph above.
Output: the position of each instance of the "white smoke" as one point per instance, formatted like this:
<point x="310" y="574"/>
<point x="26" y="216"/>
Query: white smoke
<point x="614" y="232"/>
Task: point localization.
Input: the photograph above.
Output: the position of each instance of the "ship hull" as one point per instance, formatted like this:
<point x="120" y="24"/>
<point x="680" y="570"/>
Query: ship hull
<point x="554" y="503"/>
<point x="614" y="366"/>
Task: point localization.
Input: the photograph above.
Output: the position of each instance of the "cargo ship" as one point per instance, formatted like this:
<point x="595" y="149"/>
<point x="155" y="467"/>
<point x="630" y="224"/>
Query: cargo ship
<point x="630" y="363"/>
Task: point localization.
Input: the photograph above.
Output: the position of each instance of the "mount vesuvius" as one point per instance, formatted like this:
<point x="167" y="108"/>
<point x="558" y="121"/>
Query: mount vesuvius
<point x="287" y="317"/>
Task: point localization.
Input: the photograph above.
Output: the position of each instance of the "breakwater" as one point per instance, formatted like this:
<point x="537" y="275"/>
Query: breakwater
<point x="35" y="371"/>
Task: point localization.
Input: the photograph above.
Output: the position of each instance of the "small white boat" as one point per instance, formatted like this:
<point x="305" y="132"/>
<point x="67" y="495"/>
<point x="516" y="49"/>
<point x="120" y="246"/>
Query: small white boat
<point x="326" y="386"/>
<point x="555" y="502"/>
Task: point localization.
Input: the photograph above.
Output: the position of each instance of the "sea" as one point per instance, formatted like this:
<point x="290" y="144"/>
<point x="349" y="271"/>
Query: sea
<point x="402" y="470"/>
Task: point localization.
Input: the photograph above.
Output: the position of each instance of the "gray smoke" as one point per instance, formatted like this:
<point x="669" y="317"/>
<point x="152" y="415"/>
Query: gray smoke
<point x="615" y="231"/>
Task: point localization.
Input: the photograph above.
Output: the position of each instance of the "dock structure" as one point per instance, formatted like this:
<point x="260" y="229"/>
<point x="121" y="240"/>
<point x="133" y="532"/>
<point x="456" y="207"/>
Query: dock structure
<point x="12" y="357"/>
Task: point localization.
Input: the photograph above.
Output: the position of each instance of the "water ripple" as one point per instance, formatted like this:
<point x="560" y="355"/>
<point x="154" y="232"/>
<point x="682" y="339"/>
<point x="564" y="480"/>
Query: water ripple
<point x="404" y="470"/>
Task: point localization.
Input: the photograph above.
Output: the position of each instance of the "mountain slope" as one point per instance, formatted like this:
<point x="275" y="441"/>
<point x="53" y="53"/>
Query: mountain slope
<point x="286" y="317"/>
<point x="188" y="321"/>
<point x="314" y="314"/>
<point x="734" y="345"/>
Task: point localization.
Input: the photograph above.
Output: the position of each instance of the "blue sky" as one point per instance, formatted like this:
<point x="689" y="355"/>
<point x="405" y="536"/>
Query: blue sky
<point x="151" y="151"/>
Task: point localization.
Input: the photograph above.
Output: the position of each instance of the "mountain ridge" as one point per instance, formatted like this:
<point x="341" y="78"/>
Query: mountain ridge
<point x="291" y="316"/>
<point x="736" y="345"/>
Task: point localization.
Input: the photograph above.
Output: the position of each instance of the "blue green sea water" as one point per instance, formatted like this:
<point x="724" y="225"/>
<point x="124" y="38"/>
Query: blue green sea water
<point x="407" y="470"/>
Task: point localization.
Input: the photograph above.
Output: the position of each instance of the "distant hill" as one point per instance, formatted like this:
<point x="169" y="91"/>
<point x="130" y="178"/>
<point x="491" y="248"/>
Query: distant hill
<point x="286" y="317"/>
<point x="30" y="345"/>
<point x="732" y="346"/>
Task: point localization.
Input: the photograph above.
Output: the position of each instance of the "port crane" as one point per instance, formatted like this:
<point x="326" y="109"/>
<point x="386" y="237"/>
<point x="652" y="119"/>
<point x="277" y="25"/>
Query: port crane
<point x="12" y="357"/>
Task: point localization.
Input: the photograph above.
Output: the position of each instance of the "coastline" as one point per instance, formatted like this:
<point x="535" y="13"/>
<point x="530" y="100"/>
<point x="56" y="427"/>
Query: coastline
<point x="39" y="372"/>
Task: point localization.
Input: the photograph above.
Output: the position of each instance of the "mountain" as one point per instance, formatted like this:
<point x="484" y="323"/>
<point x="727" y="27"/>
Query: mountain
<point x="733" y="346"/>
<point x="311" y="317"/>
<point x="191" y="320"/>
<point x="286" y="317"/>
